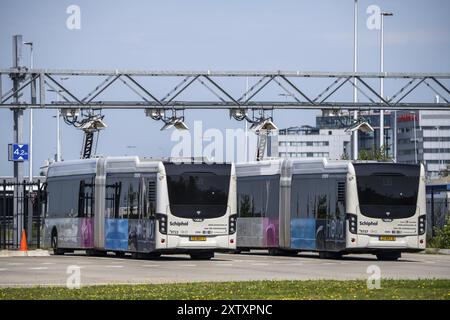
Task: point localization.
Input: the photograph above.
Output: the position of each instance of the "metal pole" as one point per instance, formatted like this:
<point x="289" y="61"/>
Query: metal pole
<point x="383" y="14"/>
<point x="432" y="211"/>
<point x="58" y="145"/>
<point x="355" y="68"/>
<point x="30" y="143"/>
<point x="415" y="139"/>
<point x="382" y="81"/>
<point x="58" y="127"/>
<point x="439" y="148"/>
<point x="30" y="154"/>
<point x="246" y="124"/>
<point x="394" y="137"/>
<point x="18" y="138"/>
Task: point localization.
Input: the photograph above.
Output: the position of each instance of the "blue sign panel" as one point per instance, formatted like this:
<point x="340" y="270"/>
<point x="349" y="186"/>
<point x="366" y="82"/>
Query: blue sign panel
<point x="18" y="152"/>
<point x="303" y="234"/>
<point x="116" y="234"/>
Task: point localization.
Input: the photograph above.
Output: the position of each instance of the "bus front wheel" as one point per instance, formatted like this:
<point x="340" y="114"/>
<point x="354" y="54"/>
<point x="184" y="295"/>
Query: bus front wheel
<point x="389" y="256"/>
<point x="202" y="255"/>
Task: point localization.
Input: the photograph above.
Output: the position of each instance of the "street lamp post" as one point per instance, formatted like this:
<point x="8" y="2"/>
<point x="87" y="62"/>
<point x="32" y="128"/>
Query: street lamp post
<point x="246" y="124"/>
<point x="30" y="143"/>
<point x="30" y="157"/>
<point x="355" y="68"/>
<point x="383" y="14"/>
<point x="58" y="125"/>
<point x="58" y="130"/>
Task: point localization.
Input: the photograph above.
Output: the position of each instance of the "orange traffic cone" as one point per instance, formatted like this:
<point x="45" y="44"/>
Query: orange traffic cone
<point x="23" y="242"/>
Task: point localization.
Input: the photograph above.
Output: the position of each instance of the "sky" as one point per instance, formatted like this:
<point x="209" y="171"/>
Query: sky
<point x="307" y="35"/>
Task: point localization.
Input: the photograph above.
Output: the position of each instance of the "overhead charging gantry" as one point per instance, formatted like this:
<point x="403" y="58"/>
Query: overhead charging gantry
<point x="163" y="101"/>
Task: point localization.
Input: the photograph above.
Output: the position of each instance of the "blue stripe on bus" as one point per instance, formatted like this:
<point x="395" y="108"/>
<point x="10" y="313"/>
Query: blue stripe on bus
<point x="303" y="234"/>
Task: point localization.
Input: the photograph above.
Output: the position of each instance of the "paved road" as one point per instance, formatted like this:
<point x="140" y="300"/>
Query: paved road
<point x="224" y="267"/>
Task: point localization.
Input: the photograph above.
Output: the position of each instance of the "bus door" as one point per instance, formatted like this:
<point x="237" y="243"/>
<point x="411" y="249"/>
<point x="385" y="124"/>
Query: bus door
<point x="86" y="209"/>
<point x="142" y="230"/>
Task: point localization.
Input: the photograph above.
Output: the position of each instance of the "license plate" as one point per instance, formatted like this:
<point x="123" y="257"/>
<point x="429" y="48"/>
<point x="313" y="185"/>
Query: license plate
<point x="387" y="238"/>
<point x="198" y="238"/>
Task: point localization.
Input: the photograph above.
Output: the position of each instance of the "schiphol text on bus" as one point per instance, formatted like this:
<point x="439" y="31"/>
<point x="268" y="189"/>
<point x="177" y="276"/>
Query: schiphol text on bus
<point x="151" y="207"/>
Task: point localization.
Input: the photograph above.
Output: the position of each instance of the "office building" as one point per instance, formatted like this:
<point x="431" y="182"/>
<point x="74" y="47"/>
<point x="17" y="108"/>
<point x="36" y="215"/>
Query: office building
<point x="424" y="136"/>
<point x="309" y="142"/>
<point x="366" y="141"/>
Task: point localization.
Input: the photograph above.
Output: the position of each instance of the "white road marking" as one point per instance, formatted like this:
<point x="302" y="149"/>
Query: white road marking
<point x="188" y="265"/>
<point x="224" y="264"/>
<point x="3" y="269"/>
<point x="15" y="263"/>
<point x="47" y="263"/>
<point x="114" y="266"/>
<point x="39" y="268"/>
<point x="260" y="264"/>
<point x="150" y="265"/>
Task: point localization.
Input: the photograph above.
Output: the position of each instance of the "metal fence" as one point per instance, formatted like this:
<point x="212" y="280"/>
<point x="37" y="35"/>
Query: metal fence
<point x="438" y="210"/>
<point x="438" y="206"/>
<point x="29" y="201"/>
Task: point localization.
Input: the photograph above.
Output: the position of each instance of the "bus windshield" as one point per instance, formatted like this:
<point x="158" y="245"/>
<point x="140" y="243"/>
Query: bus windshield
<point x="387" y="191"/>
<point x="198" y="191"/>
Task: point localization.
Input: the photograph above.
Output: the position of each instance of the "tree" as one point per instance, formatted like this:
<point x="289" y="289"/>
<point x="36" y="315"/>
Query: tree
<point x="378" y="154"/>
<point x="445" y="172"/>
<point x="345" y="156"/>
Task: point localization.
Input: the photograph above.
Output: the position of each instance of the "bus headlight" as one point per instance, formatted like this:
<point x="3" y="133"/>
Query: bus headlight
<point x="232" y="224"/>
<point x="352" y="221"/>
<point x="162" y="223"/>
<point x="422" y="224"/>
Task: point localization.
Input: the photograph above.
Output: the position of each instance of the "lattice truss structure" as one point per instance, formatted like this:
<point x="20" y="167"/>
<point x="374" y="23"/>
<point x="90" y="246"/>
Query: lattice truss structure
<point x="167" y="90"/>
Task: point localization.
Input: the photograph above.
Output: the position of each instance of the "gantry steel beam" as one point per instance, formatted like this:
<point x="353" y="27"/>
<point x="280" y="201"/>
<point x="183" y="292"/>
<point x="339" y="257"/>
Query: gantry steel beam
<point x="296" y="87"/>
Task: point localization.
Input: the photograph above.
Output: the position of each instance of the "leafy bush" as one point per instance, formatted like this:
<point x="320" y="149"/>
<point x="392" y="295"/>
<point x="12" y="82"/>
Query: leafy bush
<point x="379" y="154"/>
<point x="442" y="236"/>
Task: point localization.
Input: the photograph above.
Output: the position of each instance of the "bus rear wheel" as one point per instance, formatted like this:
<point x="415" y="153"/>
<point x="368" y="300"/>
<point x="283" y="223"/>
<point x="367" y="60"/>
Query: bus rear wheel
<point x="152" y="255"/>
<point x="282" y="252"/>
<point x="202" y="255"/>
<point x="329" y="255"/>
<point x="389" y="256"/>
<point x="56" y="251"/>
<point x="96" y="253"/>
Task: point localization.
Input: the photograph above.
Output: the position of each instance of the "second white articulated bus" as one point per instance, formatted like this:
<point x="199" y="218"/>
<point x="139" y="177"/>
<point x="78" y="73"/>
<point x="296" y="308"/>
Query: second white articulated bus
<point x="332" y="207"/>
<point x="141" y="206"/>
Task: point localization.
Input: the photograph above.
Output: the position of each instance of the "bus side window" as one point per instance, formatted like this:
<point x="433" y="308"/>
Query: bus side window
<point x="86" y="199"/>
<point x="112" y="199"/>
<point x="131" y="206"/>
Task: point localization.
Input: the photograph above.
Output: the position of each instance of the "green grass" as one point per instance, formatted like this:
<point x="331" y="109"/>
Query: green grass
<point x="260" y="290"/>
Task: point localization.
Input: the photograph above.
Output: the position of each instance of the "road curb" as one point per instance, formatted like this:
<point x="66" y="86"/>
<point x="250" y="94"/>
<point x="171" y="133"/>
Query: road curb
<point x="437" y="251"/>
<point x="31" y="253"/>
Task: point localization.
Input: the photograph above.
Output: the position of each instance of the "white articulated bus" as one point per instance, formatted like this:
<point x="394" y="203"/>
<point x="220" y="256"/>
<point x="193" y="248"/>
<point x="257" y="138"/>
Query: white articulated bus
<point x="141" y="206"/>
<point x="332" y="207"/>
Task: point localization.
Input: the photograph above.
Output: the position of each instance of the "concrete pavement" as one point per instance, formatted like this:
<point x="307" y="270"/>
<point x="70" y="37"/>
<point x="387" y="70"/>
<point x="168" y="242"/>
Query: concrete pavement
<point x="52" y="270"/>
